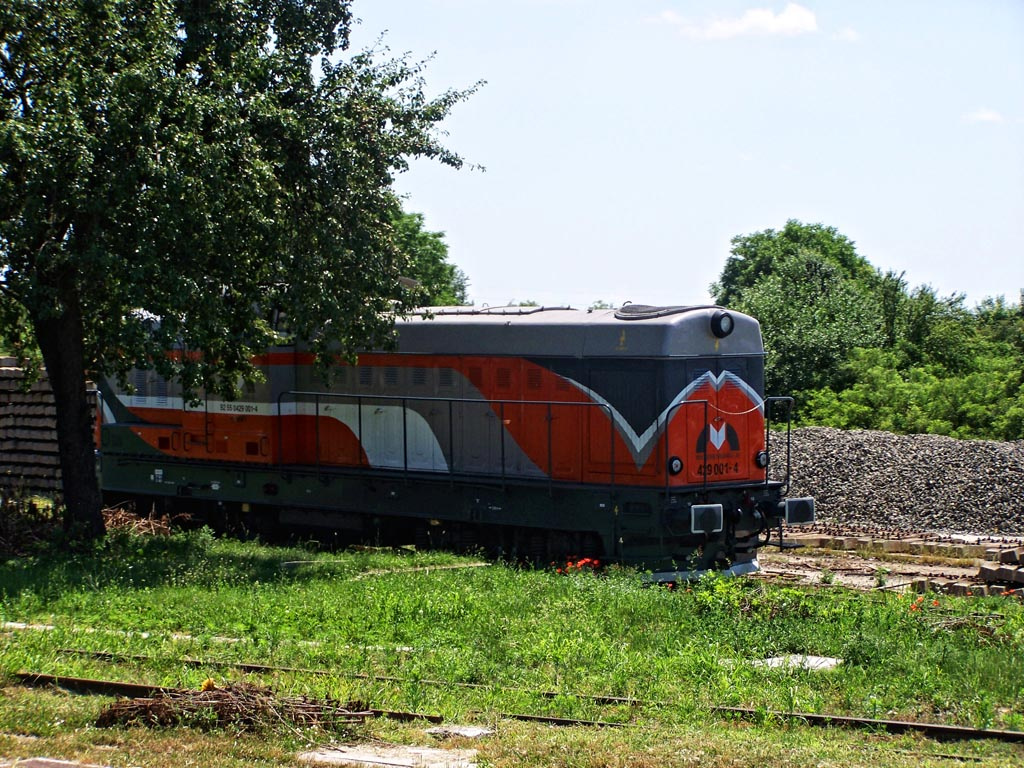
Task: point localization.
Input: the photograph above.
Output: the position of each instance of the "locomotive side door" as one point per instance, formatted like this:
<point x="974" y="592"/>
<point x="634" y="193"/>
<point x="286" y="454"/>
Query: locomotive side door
<point x="286" y="433"/>
<point x="621" y="430"/>
<point x="478" y="433"/>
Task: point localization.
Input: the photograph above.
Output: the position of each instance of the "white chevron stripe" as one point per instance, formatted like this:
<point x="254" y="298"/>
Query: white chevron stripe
<point x="642" y="444"/>
<point x="380" y="425"/>
<point x="717" y="435"/>
<point x="380" y="421"/>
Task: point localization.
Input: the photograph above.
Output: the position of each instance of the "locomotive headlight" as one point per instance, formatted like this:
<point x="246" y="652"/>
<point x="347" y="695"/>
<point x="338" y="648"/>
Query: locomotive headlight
<point x="722" y="324"/>
<point x="761" y="459"/>
<point x="675" y="465"/>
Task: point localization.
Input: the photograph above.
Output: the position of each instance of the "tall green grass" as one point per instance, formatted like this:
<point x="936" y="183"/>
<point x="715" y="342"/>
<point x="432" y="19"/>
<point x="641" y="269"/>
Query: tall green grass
<point x="501" y="639"/>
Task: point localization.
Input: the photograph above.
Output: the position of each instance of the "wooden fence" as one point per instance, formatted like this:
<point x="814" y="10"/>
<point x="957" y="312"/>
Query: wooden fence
<point x="28" y="433"/>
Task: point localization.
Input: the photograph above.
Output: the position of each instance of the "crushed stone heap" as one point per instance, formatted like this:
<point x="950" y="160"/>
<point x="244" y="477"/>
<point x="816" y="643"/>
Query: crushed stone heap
<point x="915" y="482"/>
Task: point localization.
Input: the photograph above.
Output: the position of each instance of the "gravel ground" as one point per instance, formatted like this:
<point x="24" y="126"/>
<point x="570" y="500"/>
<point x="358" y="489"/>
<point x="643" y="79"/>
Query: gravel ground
<point x="916" y="482"/>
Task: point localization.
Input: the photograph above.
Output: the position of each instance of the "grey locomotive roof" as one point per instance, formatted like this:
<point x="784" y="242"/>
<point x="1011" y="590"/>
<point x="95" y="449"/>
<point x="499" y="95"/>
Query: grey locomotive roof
<point x="632" y="331"/>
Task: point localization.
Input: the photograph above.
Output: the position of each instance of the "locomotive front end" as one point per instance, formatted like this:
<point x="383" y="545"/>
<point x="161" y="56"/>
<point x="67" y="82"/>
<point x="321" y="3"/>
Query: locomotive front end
<point x="726" y="445"/>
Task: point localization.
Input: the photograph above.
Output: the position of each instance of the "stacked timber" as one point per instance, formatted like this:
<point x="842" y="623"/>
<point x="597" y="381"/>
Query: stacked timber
<point x="28" y="433"/>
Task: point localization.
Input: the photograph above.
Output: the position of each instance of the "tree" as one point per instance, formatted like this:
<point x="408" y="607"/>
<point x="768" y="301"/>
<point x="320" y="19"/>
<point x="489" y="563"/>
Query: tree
<point x="811" y="317"/>
<point x="170" y="168"/>
<point x="440" y="283"/>
<point x="938" y="331"/>
<point x="761" y="254"/>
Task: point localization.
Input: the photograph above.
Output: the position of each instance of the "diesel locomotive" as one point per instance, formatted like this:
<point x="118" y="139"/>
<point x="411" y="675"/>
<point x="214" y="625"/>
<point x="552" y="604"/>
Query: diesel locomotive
<point x="640" y="435"/>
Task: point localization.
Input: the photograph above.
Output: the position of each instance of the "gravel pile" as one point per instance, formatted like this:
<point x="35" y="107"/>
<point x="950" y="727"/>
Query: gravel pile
<point x="917" y="482"/>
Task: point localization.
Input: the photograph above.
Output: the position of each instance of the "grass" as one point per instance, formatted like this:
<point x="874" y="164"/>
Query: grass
<point x="407" y="631"/>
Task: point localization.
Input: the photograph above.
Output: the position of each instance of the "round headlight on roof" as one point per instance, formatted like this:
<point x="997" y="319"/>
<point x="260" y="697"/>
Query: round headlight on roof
<point x="722" y="324"/>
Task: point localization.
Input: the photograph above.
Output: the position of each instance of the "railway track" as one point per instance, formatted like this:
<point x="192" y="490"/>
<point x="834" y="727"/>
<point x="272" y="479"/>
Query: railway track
<point x="909" y="540"/>
<point x="938" y="731"/>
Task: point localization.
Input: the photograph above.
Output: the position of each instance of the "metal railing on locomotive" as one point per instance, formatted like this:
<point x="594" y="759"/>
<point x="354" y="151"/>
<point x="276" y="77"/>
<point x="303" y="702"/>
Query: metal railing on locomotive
<point x="450" y="402"/>
<point x="361" y="400"/>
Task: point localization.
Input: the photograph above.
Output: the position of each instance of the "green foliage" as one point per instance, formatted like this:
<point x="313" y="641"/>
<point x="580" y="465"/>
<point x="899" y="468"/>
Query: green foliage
<point x="186" y="158"/>
<point x="440" y="283"/>
<point x="950" y="372"/>
<point x="171" y="168"/>
<point x="754" y="257"/>
<point x="811" y="318"/>
<point x="861" y="350"/>
<point x="987" y="402"/>
<point x="937" y="331"/>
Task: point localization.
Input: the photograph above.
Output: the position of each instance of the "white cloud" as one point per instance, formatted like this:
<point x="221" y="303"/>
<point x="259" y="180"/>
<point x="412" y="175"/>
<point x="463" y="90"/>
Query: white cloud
<point x="984" y="116"/>
<point x="761" y="22"/>
<point x="847" y="35"/>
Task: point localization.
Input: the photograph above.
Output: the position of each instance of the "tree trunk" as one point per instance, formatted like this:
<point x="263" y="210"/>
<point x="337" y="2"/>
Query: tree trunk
<point x="62" y="343"/>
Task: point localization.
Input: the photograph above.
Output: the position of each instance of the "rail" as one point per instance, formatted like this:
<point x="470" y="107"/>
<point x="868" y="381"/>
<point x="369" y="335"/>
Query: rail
<point x="456" y="463"/>
<point x="361" y="402"/>
<point x="90" y="686"/>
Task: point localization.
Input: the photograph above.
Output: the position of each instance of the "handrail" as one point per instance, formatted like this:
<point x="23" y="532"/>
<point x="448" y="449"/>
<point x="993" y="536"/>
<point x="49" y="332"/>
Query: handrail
<point x="360" y="398"/>
<point x="768" y="401"/>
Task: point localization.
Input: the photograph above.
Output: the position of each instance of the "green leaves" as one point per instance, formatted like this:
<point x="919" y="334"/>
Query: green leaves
<point x="440" y="283"/>
<point x="860" y="350"/>
<point x="759" y="255"/>
<point x="185" y="161"/>
<point x="812" y="315"/>
<point x="170" y="170"/>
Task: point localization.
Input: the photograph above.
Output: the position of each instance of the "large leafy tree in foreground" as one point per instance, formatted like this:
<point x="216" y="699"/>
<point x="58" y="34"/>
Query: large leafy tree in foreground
<point x="195" y="161"/>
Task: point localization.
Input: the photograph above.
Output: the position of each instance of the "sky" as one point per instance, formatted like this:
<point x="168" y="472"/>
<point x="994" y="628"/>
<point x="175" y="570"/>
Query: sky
<point x="624" y="143"/>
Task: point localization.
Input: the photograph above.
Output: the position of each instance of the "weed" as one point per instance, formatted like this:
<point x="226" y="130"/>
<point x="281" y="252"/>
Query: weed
<point x="383" y="627"/>
<point x="881" y="576"/>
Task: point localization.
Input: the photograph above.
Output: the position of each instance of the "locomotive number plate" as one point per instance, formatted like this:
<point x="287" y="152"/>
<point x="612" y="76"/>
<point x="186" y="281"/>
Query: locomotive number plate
<point x="718" y="469"/>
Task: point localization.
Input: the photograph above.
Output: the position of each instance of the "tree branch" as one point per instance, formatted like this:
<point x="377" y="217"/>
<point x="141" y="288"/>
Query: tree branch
<point x="14" y="84"/>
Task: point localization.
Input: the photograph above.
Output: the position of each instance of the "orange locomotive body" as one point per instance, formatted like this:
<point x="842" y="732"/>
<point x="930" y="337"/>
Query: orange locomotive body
<point x="639" y="435"/>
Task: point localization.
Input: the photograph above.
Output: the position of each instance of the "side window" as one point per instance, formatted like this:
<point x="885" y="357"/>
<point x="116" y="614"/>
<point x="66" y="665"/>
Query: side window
<point x="139" y="382"/>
